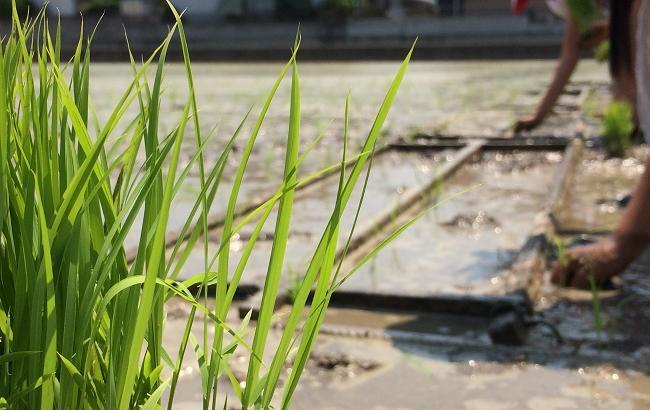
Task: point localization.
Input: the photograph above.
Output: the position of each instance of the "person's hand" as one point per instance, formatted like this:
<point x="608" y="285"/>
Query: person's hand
<point x="527" y="123"/>
<point x="600" y="261"/>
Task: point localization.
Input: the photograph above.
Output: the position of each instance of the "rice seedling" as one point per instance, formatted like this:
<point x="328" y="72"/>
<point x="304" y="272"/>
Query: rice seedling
<point x="561" y="251"/>
<point x="80" y="325"/>
<point x="601" y="53"/>
<point x="596" y="309"/>
<point x="564" y="260"/>
<point x="618" y="127"/>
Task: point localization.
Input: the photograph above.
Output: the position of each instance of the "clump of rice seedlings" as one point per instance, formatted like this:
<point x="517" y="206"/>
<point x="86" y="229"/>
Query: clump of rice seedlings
<point x="601" y="53"/>
<point x="564" y="261"/>
<point x="80" y="325"/>
<point x="618" y="127"/>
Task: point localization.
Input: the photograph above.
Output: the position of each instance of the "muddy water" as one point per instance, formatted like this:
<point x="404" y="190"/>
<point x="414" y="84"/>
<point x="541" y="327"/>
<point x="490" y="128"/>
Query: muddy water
<point x="466" y="244"/>
<point x="254" y="188"/>
<point x="416" y="376"/>
<point x="597" y="186"/>
<point x="477" y="98"/>
<point x="391" y="176"/>
<point x="457" y="98"/>
<point x="481" y="228"/>
<point x="412" y="378"/>
<point x="361" y="372"/>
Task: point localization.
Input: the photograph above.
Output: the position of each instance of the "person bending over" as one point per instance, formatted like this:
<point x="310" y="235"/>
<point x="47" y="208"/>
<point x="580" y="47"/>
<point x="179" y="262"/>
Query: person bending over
<point x="610" y="257"/>
<point x="576" y="39"/>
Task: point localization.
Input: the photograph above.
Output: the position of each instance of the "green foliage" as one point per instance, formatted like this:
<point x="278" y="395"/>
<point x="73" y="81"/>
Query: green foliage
<point x="596" y="305"/>
<point x="80" y="327"/>
<point x="618" y="128"/>
<point x="601" y="54"/>
<point x="560" y="248"/>
<point x="584" y="13"/>
<point x="562" y="258"/>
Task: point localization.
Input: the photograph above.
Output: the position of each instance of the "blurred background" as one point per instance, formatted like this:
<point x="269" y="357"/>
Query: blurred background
<point x="340" y="29"/>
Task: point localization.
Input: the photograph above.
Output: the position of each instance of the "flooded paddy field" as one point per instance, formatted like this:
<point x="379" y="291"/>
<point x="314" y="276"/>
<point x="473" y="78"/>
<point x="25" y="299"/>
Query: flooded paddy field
<point x="364" y="368"/>
<point x="466" y="244"/>
<point x="371" y="358"/>
<point x="392" y="175"/>
<point x="454" y="98"/>
<point x="450" y="98"/>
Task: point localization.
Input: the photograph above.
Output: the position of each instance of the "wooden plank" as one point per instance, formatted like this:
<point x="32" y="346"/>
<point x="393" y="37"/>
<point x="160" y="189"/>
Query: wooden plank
<point x="531" y="262"/>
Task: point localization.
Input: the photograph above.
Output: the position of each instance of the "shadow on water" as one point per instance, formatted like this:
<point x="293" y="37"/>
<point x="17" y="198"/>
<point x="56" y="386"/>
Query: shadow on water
<point x="623" y="341"/>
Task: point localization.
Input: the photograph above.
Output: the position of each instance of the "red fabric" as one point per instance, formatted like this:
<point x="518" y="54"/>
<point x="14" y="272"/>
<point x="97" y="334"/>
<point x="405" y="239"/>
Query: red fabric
<point x="518" y="6"/>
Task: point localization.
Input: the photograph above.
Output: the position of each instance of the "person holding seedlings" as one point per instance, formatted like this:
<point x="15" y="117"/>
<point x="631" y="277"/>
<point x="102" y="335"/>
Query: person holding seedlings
<point x="610" y="257"/>
<point x="585" y="27"/>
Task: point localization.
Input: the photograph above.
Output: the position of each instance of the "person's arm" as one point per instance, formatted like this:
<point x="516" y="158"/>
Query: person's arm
<point x="566" y="65"/>
<point x="612" y="256"/>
